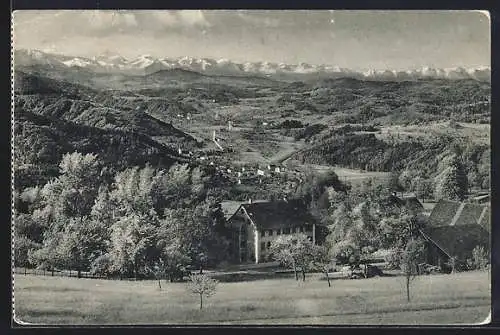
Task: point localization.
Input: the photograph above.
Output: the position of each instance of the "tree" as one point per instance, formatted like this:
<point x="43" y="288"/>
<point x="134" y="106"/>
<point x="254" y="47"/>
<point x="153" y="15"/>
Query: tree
<point x="48" y="255"/>
<point x="322" y="260"/>
<point x="72" y="194"/>
<point x="70" y="240"/>
<point x="172" y="260"/>
<point x="295" y="251"/>
<point x="202" y="285"/>
<point x="199" y="232"/>
<point x="132" y="190"/>
<point x="423" y="188"/>
<point x="451" y="183"/>
<point x="80" y="243"/>
<point x="22" y="247"/>
<point x="282" y="251"/>
<point x="410" y="258"/>
<point x="32" y="198"/>
<point x="314" y="187"/>
<point x="133" y="243"/>
<point x="405" y="179"/>
<point x="396" y="231"/>
<point x="352" y="231"/>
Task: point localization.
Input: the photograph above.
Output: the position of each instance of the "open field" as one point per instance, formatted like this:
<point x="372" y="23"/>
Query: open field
<point x="439" y="299"/>
<point x="476" y="133"/>
<point x="351" y="175"/>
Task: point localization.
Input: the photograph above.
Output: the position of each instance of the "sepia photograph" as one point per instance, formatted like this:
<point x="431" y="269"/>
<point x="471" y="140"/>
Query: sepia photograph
<point x="251" y="167"/>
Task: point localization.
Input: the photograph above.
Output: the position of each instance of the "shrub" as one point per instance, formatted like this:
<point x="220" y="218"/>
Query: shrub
<point x="393" y="259"/>
<point x="480" y="259"/>
<point x="22" y="247"/>
<point x="102" y="265"/>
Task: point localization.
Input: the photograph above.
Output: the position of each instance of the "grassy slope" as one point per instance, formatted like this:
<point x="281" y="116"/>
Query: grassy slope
<point x="444" y="299"/>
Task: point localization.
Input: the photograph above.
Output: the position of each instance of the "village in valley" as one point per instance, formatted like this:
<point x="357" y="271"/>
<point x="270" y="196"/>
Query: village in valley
<point x="185" y="191"/>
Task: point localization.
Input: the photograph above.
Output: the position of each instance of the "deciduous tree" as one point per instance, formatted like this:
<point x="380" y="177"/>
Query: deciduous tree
<point x="410" y="258"/>
<point x="202" y="285"/>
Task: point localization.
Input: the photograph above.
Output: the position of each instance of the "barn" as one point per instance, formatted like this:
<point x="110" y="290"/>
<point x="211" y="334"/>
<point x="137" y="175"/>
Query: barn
<point x="454" y="229"/>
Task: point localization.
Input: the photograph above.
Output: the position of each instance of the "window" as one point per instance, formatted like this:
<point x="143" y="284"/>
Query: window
<point x="297" y="230"/>
<point x="263" y="233"/>
<point x="268" y="244"/>
<point x="278" y="232"/>
<point x="270" y="232"/>
<point x="263" y="246"/>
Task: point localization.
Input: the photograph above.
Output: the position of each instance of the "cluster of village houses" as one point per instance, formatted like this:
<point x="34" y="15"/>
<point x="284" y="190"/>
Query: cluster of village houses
<point x="241" y="172"/>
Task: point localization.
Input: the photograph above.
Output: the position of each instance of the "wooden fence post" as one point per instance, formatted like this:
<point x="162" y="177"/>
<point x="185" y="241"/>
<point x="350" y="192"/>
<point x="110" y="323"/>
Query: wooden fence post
<point x="25" y="271"/>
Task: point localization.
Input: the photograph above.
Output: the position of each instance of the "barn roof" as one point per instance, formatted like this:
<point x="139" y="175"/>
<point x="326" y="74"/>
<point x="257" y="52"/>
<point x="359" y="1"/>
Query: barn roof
<point x="443" y="212"/>
<point x="455" y="213"/>
<point x="471" y="214"/>
<point x="278" y="214"/>
<point x="457" y="241"/>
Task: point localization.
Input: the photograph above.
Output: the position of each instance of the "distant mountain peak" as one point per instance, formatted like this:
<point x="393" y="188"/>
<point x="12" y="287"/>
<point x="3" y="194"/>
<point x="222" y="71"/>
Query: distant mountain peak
<point x="146" y="63"/>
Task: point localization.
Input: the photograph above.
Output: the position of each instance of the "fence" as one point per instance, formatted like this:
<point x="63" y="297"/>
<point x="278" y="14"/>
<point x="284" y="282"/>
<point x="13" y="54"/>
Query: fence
<point x="70" y="273"/>
<point x="56" y="273"/>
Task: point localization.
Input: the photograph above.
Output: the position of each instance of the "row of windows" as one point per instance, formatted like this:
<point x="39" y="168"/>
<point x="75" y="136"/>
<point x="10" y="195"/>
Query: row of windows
<point x="267" y="245"/>
<point x="273" y="232"/>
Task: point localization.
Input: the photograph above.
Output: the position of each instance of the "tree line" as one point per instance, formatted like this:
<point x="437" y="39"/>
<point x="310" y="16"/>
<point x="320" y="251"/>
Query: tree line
<point x="426" y="159"/>
<point x="142" y="221"/>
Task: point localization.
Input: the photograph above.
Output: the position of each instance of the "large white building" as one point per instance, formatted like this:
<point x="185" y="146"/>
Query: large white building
<point x="255" y="225"/>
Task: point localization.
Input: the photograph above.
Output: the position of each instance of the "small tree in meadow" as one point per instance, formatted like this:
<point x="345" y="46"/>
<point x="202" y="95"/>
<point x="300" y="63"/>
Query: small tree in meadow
<point x="202" y="285"/>
<point x="322" y="260"/>
<point x="410" y="257"/>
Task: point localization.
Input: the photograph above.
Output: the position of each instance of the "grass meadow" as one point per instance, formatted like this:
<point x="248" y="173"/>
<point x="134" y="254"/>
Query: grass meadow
<point x="462" y="298"/>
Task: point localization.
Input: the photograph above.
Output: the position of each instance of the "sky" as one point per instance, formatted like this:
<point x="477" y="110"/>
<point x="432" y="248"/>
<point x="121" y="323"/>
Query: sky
<point x="356" y="40"/>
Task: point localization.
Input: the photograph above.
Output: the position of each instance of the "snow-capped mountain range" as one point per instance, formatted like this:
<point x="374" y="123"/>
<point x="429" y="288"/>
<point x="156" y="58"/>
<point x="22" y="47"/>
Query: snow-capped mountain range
<point x="147" y="64"/>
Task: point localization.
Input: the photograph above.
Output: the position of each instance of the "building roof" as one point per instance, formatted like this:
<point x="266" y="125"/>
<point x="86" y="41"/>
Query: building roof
<point x="278" y="214"/>
<point x="229" y="207"/>
<point x="411" y="203"/>
<point x="470" y="214"/>
<point x="443" y="212"/>
<point x="455" y="213"/>
<point x="458" y="241"/>
<point x="482" y="198"/>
